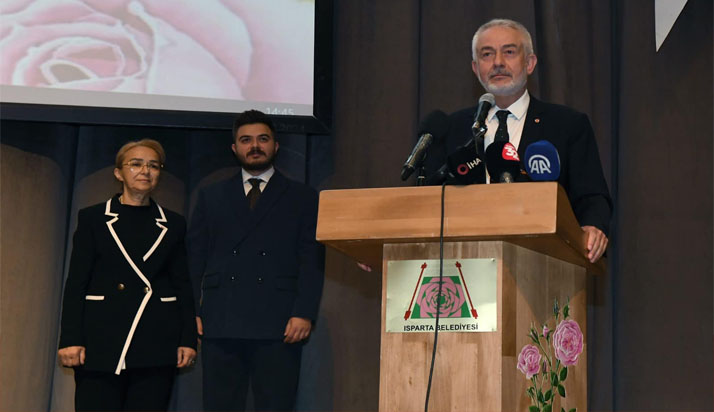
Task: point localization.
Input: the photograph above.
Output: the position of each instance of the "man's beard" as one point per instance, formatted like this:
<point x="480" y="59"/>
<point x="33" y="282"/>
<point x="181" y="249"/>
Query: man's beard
<point x="509" y="89"/>
<point x="256" y="166"/>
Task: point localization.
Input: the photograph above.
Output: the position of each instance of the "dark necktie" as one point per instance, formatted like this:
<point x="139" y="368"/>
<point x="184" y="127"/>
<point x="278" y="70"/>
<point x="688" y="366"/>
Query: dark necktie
<point x="254" y="192"/>
<point x="502" y="131"/>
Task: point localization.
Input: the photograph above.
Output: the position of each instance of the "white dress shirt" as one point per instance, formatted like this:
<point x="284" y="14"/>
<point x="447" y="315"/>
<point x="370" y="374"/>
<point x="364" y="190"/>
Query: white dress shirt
<point x="515" y="121"/>
<point x="264" y="177"/>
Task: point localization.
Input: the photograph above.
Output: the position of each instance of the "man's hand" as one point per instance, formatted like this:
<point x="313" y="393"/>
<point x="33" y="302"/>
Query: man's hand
<point x="71" y="356"/>
<point x="185" y="356"/>
<point x="596" y="243"/>
<point x="297" y="330"/>
<point x="364" y="266"/>
<point x="199" y="327"/>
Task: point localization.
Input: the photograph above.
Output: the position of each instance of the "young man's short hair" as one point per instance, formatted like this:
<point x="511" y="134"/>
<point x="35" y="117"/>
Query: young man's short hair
<point x="252" y="117"/>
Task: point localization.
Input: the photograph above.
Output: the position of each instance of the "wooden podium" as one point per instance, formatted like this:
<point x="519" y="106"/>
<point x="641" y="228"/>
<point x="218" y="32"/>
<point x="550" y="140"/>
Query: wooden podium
<point x="531" y="232"/>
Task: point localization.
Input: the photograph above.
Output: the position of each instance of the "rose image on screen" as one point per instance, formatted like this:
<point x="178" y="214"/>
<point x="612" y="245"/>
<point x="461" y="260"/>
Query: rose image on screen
<point x="452" y="303"/>
<point x="232" y="49"/>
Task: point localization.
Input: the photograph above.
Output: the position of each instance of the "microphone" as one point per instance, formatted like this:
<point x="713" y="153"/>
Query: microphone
<point x="485" y="103"/>
<point x="466" y="166"/>
<point x="542" y="161"/>
<point x="434" y="126"/>
<point x="502" y="162"/>
<point x="463" y="165"/>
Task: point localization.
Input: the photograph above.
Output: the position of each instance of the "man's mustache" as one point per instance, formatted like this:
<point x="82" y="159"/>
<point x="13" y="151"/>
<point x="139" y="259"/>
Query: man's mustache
<point x="256" y="151"/>
<point x="500" y="73"/>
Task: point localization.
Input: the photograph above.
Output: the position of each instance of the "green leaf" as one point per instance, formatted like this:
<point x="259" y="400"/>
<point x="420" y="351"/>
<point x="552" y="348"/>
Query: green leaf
<point x="547" y="408"/>
<point x="573" y="410"/>
<point x="556" y="309"/>
<point x="540" y="397"/>
<point x="533" y="409"/>
<point x="566" y="311"/>
<point x="562" y="409"/>
<point x="548" y="395"/>
<point x="563" y="373"/>
<point x="561" y="390"/>
<point x="553" y="379"/>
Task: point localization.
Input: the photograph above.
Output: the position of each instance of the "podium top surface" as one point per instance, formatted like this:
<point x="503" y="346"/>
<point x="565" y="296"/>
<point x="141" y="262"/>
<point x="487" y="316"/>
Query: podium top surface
<point x="535" y="215"/>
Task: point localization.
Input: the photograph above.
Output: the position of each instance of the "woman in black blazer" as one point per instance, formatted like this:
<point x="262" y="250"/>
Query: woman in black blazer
<point x="128" y="312"/>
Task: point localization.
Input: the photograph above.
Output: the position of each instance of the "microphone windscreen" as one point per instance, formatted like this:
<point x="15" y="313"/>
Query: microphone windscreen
<point x="465" y="165"/>
<point x="542" y="161"/>
<point x="435" y="123"/>
<point x="487" y="97"/>
<point x="502" y="160"/>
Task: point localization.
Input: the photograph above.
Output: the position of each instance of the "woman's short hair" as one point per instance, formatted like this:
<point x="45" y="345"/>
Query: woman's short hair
<point x="150" y="143"/>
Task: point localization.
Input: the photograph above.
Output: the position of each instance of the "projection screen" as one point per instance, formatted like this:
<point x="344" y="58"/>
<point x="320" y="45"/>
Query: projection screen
<point x="180" y="55"/>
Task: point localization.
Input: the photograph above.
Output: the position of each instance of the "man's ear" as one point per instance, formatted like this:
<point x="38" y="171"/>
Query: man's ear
<point x="531" y="61"/>
<point x="277" y="146"/>
<point x="234" y="149"/>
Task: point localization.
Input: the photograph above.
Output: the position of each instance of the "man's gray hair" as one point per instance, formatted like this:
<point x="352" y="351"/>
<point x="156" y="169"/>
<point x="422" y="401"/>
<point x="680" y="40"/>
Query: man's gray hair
<point x="527" y="43"/>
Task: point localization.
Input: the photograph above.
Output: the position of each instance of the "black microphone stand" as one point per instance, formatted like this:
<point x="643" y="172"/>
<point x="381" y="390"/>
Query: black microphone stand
<point x="421" y="177"/>
<point x="478" y="134"/>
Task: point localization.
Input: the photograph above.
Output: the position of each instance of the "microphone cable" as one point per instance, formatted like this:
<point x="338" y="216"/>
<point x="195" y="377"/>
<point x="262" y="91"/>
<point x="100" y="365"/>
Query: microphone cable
<point x="438" y="298"/>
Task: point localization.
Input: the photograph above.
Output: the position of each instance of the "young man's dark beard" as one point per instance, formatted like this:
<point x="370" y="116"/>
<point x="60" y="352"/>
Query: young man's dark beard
<point x="256" y="166"/>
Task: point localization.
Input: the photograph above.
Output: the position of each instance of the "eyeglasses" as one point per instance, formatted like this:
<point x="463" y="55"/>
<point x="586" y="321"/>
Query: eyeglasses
<point x="137" y="165"/>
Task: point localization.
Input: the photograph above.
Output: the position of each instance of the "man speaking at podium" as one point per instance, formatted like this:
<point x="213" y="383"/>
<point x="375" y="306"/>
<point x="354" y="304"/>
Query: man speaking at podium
<point x="503" y="58"/>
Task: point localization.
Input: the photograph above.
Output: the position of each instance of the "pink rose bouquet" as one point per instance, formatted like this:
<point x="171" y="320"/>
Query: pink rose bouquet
<point x="546" y="367"/>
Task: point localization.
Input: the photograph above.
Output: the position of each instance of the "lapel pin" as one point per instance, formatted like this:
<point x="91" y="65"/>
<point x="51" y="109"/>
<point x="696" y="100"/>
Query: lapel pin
<point x="537" y="120"/>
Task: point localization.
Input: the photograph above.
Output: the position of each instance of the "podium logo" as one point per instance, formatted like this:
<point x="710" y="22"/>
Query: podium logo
<point x="539" y="164"/>
<point x="454" y="301"/>
<point x="451" y="302"/>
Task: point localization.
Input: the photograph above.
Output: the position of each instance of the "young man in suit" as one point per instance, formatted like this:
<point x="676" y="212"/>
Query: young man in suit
<point x="503" y="57"/>
<point x="258" y="272"/>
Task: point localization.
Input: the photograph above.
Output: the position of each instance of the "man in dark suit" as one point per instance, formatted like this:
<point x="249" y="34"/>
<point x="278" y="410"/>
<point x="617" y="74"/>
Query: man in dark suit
<point x="258" y="271"/>
<point x="502" y="60"/>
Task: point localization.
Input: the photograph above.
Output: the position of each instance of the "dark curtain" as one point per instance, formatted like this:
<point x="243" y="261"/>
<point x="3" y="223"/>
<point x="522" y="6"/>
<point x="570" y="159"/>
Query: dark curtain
<point x="663" y="279"/>
<point x="650" y="321"/>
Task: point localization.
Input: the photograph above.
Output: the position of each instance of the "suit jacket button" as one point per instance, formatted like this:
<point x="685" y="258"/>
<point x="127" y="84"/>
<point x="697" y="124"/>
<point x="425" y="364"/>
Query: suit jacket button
<point x="262" y="253"/>
<point x="233" y="278"/>
<point x="260" y="280"/>
<point x="146" y="289"/>
<point x="121" y="286"/>
<point x="235" y="252"/>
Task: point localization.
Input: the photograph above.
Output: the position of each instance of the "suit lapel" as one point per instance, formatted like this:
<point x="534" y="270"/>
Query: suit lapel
<point x="276" y="187"/>
<point x="160" y="219"/>
<point x="111" y="210"/>
<point x="532" y="129"/>
<point x="238" y="203"/>
<point x="272" y="192"/>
